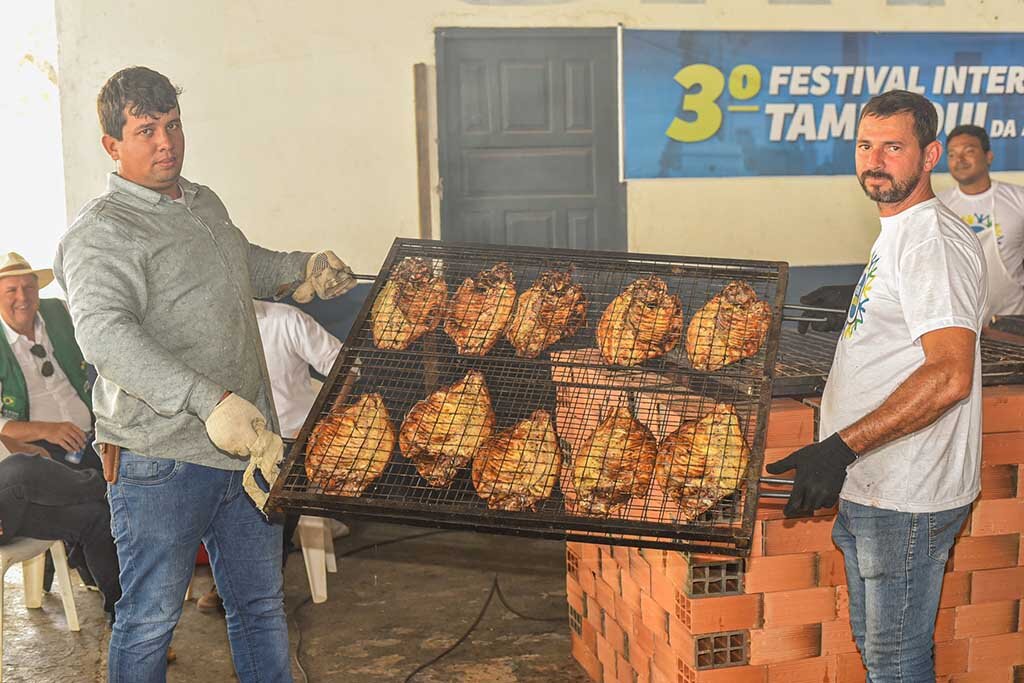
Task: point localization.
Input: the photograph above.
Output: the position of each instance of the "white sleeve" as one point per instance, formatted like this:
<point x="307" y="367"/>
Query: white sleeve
<point x="313" y="343"/>
<point x="942" y="284"/>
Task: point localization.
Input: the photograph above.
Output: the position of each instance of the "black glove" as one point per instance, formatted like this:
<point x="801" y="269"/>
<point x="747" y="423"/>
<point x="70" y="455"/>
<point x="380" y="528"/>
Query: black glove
<point x="820" y="472"/>
<point x="829" y="296"/>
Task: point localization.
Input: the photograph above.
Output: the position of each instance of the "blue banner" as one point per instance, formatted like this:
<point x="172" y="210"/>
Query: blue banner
<point x="762" y="103"/>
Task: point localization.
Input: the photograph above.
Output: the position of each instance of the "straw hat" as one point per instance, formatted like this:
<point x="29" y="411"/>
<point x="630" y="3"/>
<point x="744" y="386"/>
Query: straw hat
<point x="15" y="264"/>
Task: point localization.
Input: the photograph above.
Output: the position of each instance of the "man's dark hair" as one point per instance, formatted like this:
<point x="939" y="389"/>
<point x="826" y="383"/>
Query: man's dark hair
<point x="974" y="131"/>
<point x="926" y="120"/>
<point x="142" y="91"/>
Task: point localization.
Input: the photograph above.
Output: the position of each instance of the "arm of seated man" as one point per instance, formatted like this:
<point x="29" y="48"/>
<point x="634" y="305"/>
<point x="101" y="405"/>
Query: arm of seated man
<point x="16" y="446"/>
<point x="64" y="434"/>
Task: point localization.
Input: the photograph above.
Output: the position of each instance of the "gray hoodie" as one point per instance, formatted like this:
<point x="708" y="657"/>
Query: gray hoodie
<point x="161" y="293"/>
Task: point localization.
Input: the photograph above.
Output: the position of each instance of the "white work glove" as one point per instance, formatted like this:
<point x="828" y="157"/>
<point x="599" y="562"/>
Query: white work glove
<point x="238" y="427"/>
<point x="234" y="424"/>
<point x="267" y="456"/>
<point x="327" y="276"/>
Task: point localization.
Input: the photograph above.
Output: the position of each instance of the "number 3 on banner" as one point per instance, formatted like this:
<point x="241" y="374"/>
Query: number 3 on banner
<point x="701" y="103"/>
<point x="744" y="84"/>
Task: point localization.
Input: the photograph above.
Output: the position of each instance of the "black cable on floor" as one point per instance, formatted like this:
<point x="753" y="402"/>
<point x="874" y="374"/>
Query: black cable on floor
<point x="495" y="590"/>
<point x="347" y="553"/>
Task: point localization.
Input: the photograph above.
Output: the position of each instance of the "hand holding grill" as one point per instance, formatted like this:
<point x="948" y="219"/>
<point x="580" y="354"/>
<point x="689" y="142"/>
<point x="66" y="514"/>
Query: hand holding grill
<point x="820" y="473"/>
<point x="834" y="297"/>
<point x="327" y="276"/>
<point x="234" y="425"/>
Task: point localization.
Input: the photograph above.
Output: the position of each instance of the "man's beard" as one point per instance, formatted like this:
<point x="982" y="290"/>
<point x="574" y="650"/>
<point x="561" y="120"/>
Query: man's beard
<point x="895" y="194"/>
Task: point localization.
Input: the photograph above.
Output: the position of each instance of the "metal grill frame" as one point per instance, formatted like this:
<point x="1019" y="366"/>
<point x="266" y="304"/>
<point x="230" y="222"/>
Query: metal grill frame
<point x="805" y="360"/>
<point x="735" y="539"/>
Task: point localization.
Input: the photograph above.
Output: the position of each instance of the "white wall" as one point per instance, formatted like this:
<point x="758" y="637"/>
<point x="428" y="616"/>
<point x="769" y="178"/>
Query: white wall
<point x="301" y="116"/>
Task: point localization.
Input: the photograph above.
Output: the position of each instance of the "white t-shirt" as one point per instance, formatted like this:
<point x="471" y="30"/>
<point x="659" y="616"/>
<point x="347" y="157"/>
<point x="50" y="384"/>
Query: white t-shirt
<point x="50" y="399"/>
<point x="999" y="208"/>
<point x="292" y="341"/>
<point x="926" y="272"/>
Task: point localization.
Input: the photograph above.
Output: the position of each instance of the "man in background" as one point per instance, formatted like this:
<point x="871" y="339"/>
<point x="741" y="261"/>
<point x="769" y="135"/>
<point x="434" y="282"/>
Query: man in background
<point x="994" y="210"/>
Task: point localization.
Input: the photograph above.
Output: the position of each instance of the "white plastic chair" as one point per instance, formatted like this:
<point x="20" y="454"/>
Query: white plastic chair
<point x="31" y="553"/>
<point x="318" y="554"/>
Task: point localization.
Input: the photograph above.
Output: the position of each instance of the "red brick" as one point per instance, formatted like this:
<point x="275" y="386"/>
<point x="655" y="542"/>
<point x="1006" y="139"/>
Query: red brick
<point x="588" y="582"/>
<point x="652" y="615"/>
<point x="734" y="674"/>
<point x="725" y="613"/>
<point x="626" y="673"/>
<point x="998" y="675"/>
<point x="986" y="619"/>
<point x="814" y="670"/>
<point x="837" y="637"/>
<point x="1002" y="409"/>
<point x="951" y="657"/>
<point x="630" y="591"/>
<point x="944" y="625"/>
<point x="1002" y="449"/>
<point x="574" y="596"/>
<point x="808" y="606"/>
<point x="780" y="573"/>
<point x="789" y="424"/>
<point x="605" y="596"/>
<point x="625" y="615"/>
<point x="986" y="552"/>
<point x="842" y="603"/>
<point x="850" y="668"/>
<point x="956" y="589"/>
<point x="677" y="568"/>
<point x="992" y="517"/>
<point x="606" y="655"/>
<point x="757" y="539"/>
<point x="998" y="481"/>
<point x="586" y="659"/>
<point x="641" y="642"/>
<point x="768" y="646"/>
<point x="590" y="636"/>
<point x="663" y="591"/>
<point x="665" y="656"/>
<point x="789" y="536"/>
<point x="614" y="635"/>
<point x="993" y="652"/>
<point x="831" y="568"/>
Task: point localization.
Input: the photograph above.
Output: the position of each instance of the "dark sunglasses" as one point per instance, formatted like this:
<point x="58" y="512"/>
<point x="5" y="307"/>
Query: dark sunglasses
<point x="39" y="351"/>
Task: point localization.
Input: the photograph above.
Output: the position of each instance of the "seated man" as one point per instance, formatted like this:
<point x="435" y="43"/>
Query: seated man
<point x="40" y="498"/>
<point x="41" y="368"/>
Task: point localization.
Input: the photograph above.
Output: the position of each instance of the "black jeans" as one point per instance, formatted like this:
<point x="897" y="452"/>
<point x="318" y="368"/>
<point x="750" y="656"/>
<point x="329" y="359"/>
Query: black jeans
<point x="40" y="498"/>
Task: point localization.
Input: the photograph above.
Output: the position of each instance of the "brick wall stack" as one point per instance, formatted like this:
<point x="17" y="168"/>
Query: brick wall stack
<point x="781" y="615"/>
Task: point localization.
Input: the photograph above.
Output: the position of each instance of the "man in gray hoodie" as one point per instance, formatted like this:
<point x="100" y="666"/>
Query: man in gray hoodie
<point x="160" y="285"/>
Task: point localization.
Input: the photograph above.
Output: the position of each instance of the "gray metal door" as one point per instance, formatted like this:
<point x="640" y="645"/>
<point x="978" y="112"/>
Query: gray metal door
<point x="529" y="138"/>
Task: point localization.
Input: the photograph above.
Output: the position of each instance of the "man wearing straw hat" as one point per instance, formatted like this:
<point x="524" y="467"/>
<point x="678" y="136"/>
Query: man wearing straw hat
<point x="160" y="284"/>
<point x="43" y="383"/>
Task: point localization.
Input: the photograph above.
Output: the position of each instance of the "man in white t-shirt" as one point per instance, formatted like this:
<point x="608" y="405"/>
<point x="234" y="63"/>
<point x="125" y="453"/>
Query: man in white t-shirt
<point x="994" y="210"/>
<point x="901" y="412"/>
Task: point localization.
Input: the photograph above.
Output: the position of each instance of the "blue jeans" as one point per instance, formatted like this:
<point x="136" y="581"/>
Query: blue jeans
<point x="160" y="511"/>
<point x="894" y="567"/>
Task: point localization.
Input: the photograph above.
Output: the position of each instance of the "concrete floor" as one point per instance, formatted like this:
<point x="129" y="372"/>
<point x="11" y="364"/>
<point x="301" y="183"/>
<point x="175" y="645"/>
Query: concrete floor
<point x="389" y="610"/>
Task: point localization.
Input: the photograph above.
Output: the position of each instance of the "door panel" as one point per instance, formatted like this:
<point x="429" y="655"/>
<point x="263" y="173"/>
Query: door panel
<point x="529" y="138"/>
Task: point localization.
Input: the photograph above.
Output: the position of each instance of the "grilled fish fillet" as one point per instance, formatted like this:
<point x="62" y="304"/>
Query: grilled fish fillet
<point x="643" y="322"/>
<point x="615" y="463"/>
<point x="703" y="461"/>
<point x="410" y="304"/>
<point x="348" y="449"/>
<point x="730" y="327"/>
<point x="443" y="431"/>
<point x="480" y="310"/>
<point x="517" y="467"/>
<point x="552" y="308"/>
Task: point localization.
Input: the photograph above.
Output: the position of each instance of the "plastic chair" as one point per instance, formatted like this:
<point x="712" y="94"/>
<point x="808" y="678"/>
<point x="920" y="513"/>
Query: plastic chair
<point x="31" y="553"/>
<point x="318" y="554"/>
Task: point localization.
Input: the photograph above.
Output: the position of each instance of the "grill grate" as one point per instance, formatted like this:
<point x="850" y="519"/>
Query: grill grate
<point x="804" y="361"/>
<point x="571" y="381"/>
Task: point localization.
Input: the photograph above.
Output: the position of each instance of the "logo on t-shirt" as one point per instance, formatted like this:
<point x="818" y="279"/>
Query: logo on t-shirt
<point x="861" y="297"/>
<point x="980" y="222"/>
